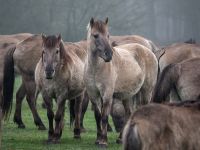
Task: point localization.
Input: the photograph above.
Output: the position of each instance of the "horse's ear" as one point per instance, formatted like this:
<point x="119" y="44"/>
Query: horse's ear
<point x="106" y="20"/>
<point x="91" y="22"/>
<point x="44" y="37"/>
<point x="59" y="38"/>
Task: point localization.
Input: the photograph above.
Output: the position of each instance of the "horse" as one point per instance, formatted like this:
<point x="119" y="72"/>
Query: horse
<point x="7" y="42"/>
<point x="159" y="126"/>
<point x="26" y="55"/>
<point x="14" y="59"/>
<point x="59" y="75"/>
<point x="118" y="72"/>
<point x="181" y="77"/>
<point x="176" y="53"/>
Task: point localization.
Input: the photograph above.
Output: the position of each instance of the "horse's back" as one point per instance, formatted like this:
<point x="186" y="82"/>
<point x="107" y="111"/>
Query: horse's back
<point x="178" y="52"/>
<point x="168" y="129"/>
<point x="27" y="54"/>
<point x="128" y="39"/>
<point x="145" y="58"/>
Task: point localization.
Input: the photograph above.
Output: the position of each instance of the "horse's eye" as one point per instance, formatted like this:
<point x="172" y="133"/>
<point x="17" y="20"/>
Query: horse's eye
<point x="96" y="36"/>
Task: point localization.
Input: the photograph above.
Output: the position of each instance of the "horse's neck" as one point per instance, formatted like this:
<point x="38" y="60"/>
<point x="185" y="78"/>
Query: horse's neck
<point x="94" y="62"/>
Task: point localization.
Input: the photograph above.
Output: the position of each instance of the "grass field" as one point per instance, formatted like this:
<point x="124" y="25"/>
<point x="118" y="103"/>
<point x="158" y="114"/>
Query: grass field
<point x="32" y="139"/>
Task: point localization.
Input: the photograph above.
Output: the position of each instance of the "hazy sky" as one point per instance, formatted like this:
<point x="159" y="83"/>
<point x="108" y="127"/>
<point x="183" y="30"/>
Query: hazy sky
<point x="162" y="21"/>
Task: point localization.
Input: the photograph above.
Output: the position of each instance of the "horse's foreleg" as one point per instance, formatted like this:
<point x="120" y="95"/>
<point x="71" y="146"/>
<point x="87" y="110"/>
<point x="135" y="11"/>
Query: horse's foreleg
<point x="50" y="114"/>
<point x="107" y="102"/>
<point x="30" y="91"/>
<point x="97" y="115"/>
<point x="19" y="98"/>
<point x="78" y="110"/>
<point x="59" y="120"/>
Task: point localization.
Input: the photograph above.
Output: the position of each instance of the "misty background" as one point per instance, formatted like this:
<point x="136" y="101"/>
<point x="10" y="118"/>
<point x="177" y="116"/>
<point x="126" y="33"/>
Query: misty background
<point x="162" y="21"/>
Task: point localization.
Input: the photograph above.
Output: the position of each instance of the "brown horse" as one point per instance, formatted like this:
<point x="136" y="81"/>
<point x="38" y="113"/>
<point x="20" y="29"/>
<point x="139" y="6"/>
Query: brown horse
<point x="14" y="61"/>
<point x="176" y="53"/>
<point x="183" y="77"/>
<point x="7" y="42"/>
<point x="118" y="72"/>
<point x="27" y="54"/>
<point x="59" y="75"/>
<point x="163" y="127"/>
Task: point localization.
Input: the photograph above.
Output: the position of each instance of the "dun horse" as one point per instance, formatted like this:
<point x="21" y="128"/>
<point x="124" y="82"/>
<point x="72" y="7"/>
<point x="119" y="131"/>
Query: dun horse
<point x="59" y="75"/>
<point x="182" y="77"/>
<point x="118" y="72"/>
<point x="163" y="127"/>
<point x="25" y="57"/>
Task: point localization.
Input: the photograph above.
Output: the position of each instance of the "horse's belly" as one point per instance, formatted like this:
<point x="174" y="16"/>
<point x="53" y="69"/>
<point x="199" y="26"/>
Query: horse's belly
<point x="129" y="82"/>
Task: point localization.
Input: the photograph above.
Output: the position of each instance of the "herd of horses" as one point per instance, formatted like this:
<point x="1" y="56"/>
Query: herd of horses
<point x="120" y="75"/>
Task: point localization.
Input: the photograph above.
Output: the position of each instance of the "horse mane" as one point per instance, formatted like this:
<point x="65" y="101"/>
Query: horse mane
<point x="31" y="38"/>
<point x="99" y="25"/>
<point x="51" y="42"/>
<point x="193" y="104"/>
<point x="190" y="41"/>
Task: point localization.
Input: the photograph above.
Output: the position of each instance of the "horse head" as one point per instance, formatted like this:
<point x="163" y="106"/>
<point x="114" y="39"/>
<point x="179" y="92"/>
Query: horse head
<point x="98" y="36"/>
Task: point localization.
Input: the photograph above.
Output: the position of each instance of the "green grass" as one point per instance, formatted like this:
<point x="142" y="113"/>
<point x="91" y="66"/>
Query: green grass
<point x="32" y="139"/>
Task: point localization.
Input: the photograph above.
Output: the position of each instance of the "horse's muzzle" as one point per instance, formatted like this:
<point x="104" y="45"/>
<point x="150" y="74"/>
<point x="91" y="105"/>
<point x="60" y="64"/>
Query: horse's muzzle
<point x="49" y="74"/>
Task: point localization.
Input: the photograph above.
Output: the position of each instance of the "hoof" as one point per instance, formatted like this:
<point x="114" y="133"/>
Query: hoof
<point x="110" y="129"/>
<point x="102" y="145"/>
<point x="21" y="126"/>
<point x="97" y="142"/>
<point x="44" y="106"/>
<point x="77" y="137"/>
<point x="42" y="127"/>
<point x="49" y="141"/>
<point x="83" y="130"/>
<point x="119" y="141"/>
<point x="55" y="141"/>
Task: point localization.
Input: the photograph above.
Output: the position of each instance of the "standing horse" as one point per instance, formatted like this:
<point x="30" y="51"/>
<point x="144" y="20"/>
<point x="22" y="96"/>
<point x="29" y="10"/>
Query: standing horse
<point x="183" y="78"/>
<point x="14" y="60"/>
<point x="26" y="55"/>
<point x="7" y="42"/>
<point x="176" y="53"/>
<point x="163" y="127"/>
<point x="59" y="75"/>
<point x="118" y="72"/>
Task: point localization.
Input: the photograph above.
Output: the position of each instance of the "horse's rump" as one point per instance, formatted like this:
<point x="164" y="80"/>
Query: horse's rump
<point x="168" y="129"/>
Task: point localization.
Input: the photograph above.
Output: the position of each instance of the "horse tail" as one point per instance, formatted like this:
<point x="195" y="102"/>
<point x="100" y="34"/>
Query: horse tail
<point x="154" y="48"/>
<point x="158" y="55"/>
<point x="165" y="83"/>
<point x="8" y="82"/>
<point x="131" y="137"/>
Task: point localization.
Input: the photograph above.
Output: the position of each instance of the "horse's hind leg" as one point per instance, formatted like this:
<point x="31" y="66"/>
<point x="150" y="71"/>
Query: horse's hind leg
<point x="128" y="107"/>
<point x="146" y="94"/>
<point x="30" y="97"/>
<point x="78" y="112"/>
<point x="84" y="109"/>
<point x="19" y="98"/>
